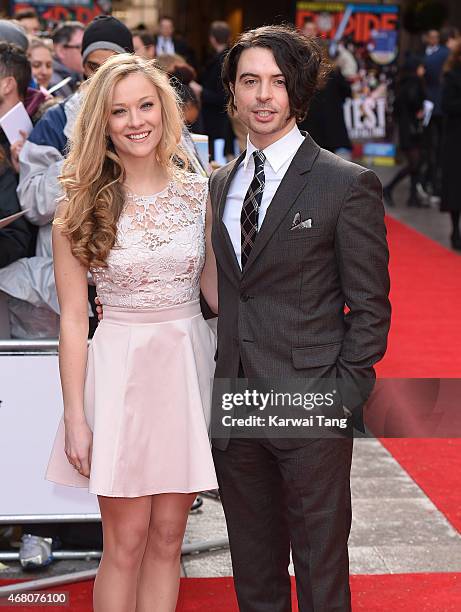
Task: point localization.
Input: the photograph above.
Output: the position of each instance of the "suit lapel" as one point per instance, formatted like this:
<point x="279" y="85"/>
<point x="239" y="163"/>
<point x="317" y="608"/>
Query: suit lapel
<point x="225" y="238"/>
<point x="292" y="184"/>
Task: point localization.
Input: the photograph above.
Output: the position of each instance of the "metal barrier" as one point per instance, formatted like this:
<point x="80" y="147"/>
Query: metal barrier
<point x="29" y="347"/>
<point x="30" y="410"/>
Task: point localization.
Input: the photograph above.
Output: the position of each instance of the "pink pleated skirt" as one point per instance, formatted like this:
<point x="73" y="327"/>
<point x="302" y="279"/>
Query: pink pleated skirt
<point x="147" y="401"/>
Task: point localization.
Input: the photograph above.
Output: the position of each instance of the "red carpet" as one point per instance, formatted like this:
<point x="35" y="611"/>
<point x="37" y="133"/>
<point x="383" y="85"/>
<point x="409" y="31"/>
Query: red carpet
<point x="425" y="341"/>
<point x="396" y="593"/>
<point x="425" y="337"/>
<point x="390" y="593"/>
<point x="435" y="465"/>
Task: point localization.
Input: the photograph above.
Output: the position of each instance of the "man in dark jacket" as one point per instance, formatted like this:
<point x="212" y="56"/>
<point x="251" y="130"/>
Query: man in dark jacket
<point x="166" y="43"/>
<point x="211" y="90"/>
<point x="15" y="74"/>
<point x="15" y="237"/>
<point x="298" y="234"/>
<point x="67" y="62"/>
<point x="436" y="54"/>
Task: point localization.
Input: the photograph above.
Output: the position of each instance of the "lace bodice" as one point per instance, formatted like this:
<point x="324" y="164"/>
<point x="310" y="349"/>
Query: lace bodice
<point x="160" y="248"/>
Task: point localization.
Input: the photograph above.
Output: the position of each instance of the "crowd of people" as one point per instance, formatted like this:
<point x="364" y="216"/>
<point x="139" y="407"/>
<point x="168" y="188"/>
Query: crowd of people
<point x="46" y="72"/>
<point x="428" y="116"/>
<point x="47" y="69"/>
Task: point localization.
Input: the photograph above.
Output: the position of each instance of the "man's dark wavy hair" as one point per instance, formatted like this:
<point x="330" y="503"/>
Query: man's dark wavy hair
<point x="14" y="62"/>
<point x="300" y="59"/>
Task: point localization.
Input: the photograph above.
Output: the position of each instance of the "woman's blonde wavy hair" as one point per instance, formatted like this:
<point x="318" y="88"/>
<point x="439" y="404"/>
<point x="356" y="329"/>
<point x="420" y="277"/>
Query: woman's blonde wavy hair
<point x="92" y="176"/>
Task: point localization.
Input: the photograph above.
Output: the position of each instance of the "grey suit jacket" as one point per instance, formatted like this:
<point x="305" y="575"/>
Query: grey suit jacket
<point x="285" y="315"/>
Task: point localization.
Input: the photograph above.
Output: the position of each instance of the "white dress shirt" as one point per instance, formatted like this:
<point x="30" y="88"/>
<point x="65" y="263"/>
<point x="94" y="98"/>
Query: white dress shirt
<point x="278" y="158"/>
<point x="165" y="46"/>
<point x="432" y="49"/>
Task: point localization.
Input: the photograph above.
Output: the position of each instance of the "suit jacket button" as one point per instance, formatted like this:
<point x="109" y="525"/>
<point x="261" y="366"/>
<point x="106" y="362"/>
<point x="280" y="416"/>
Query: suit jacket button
<point x="244" y="298"/>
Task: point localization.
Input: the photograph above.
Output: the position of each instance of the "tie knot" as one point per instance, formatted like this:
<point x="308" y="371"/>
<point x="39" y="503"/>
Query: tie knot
<point x="259" y="159"/>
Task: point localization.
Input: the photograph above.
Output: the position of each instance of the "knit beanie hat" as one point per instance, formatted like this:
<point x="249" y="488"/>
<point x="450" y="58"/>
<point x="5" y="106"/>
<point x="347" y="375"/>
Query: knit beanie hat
<point x="13" y="33"/>
<point x="106" y="32"/>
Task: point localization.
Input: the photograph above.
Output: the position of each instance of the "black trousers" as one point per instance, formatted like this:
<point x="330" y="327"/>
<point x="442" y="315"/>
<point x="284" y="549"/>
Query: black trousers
<point x="433" y="143"/>
<point x="275" y="498"/>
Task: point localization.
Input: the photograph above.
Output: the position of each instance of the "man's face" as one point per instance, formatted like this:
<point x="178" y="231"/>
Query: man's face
<point x="433" y="38"/>
<point x="310" y="29"/>
<point x="261" y="97"/>
<point x="166" y="28"/>
<point x="70" y="54"/>
<point x="95" y="60"/>
<point x="31" y="25"/>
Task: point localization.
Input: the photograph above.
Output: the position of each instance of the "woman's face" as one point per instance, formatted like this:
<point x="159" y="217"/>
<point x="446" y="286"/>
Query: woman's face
<point x="135" y="122"/>
<point x="42" y="65"/>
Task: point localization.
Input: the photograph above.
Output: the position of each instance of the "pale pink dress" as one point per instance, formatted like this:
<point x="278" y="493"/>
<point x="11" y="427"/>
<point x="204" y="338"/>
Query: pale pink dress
<point x="150" y="364"/>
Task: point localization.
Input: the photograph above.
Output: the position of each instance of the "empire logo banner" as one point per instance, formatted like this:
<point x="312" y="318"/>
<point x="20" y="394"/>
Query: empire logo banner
<point x="370" y="33"/>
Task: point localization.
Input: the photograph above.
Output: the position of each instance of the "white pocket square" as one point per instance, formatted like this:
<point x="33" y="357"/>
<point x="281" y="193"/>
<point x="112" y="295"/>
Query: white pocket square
<point x="298" y="224"/>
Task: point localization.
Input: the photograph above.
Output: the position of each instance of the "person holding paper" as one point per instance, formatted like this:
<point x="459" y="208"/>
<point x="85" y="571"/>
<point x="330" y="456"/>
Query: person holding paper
<point x="67" y="43"/>
<point x="20" y="105"/>
<point x="16" y="237"/>
<point x="31" y="281"/>
<point x="15" y="75"/>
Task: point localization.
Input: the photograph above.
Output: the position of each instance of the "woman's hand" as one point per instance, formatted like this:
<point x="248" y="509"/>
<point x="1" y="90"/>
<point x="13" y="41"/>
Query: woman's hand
<point x="209" y="277"/>
<point x="99" y="308"/>
<point x="78" y="446"/>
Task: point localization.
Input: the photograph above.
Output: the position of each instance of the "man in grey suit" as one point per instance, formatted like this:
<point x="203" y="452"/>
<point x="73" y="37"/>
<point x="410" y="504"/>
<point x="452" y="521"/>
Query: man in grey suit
<point x="302" y="260"/>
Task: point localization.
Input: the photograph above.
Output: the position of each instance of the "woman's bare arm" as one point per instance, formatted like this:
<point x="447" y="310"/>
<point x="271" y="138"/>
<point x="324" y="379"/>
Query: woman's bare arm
<point x="72" y="288"/>
<point x="209" y="278"/>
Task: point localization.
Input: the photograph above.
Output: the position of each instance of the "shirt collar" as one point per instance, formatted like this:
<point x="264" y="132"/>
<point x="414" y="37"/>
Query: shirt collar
<point x="278" y="152"/>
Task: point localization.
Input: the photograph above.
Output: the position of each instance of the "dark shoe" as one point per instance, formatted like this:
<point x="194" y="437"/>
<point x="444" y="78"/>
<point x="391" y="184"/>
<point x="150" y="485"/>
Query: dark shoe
<point x="387" y="196"/>
<point x="456" y="242"/>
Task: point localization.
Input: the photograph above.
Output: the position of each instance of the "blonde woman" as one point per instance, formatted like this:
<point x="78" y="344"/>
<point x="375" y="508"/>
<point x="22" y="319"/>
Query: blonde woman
<point x="41" y="61"/>
<point x="134" y="429"/>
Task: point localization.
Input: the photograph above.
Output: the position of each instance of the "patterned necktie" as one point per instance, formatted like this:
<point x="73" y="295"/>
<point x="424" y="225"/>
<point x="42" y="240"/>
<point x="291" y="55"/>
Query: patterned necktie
<point x="250" y="208"/>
